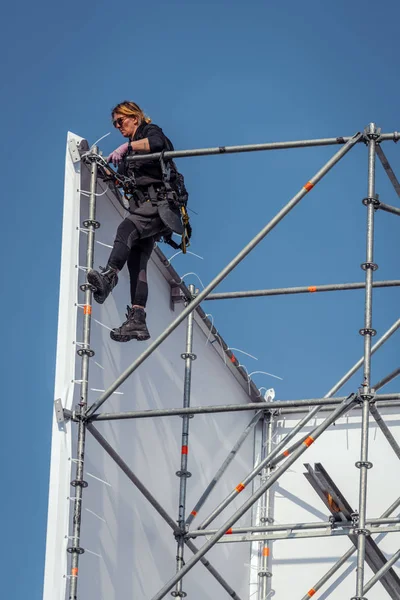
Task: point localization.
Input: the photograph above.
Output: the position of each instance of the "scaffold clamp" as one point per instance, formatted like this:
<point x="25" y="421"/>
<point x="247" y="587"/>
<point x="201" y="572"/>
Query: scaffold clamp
<point x="91" y="223"/>
<point x="75" y="550"/>
<point x="190" y="355"/>
<point x="364" y="463"/>
<point x="85" y="352"/>
<point x="183" y="474"/>
<point x="79" y="483"/>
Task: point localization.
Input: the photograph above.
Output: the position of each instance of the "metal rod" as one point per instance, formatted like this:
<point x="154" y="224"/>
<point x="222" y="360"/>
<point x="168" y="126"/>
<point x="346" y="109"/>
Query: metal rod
<point x="183" y="474"/>
<point x="317" y="586"/>
<point x="382" y="571"/>
<point x="294" y="526"/>
<point x="385" y="429"/>
<point x="221" y="408"/>
<point x="347" y="404"/>
<point x="306" y="289"/>
<point x="295" y="535"/>
<point x="257" y="147"/>
<point x="367" y="332"/>
<point x="223" y="467"/>
<point x="75" y="549"/>
<point x="293" y="411"/>
<point x="388" y="169"/>
<point x="155" y="504"/>
<point x="386" y="379"/>
<point x="388" y="208"/>
<point x="264" y="572"/>
<point x="238" y="258"/>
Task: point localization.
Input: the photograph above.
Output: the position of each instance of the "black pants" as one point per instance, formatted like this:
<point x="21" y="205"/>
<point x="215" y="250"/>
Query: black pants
<point x="134" y="243"/>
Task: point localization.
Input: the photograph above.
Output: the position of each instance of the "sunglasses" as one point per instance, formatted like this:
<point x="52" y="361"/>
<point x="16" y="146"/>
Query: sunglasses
<point x="119" y="121"/>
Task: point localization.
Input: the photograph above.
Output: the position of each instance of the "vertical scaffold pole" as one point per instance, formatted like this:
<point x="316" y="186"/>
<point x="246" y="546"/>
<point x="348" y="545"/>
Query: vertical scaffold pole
<point x="371" y="135"/>
<point x="86" y="353"/>
<point x="183" y="474"/>
<point x="264" y="574"/>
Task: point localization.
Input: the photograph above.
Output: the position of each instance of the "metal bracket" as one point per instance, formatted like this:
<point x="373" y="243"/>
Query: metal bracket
<point x="91" y="223"/>
<point x="176" y="594"/>
<point x="190" y="355"/>
<point x="85" y="352"/>
<point x="75" y="550"/>
<point x="371" y="200"/>
<point x="364" y="463"/>
<point x="177" y="296"/>
<point x="369" y="265"/>
<point x="87" y="286"/>
<point x="74" y="151"/>
<point x="79" y="483"/>
<point x="58" y="407"/>
<point x="367" y="331"/>
<point x="264" y="574"/>
<point x="361" y="531"/>
<point x="183" y="474"/>
<point x="371" y="132"/>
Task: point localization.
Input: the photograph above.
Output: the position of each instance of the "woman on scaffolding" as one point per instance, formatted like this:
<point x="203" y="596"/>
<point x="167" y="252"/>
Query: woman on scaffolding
<point x="151" y="217"/>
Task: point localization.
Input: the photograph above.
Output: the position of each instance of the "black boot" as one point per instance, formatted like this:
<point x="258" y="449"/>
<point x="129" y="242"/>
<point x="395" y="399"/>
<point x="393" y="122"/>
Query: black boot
<point x="103" y="281"/>
<point x="134" y="328"/>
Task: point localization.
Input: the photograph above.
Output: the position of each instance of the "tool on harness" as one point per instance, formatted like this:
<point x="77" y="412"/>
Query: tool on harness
<point x="177" y="194"/>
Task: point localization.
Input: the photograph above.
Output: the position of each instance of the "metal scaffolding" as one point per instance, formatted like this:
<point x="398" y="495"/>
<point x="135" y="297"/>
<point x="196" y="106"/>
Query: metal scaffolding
<point x="275" y="459"/>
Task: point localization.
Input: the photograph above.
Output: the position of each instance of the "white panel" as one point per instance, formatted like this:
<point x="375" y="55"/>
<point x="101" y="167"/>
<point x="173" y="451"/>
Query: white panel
<point x="58" y="511"/>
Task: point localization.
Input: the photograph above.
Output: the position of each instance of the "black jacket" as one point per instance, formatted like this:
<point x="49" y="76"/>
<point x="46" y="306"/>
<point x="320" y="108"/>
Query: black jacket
<point x="146" y="172"/>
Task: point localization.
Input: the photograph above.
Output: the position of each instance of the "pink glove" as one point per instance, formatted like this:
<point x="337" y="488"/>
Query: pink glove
<point x="116" y="156"/>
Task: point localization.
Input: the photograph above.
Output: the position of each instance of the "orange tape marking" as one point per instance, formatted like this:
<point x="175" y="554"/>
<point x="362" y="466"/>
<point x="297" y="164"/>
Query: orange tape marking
<point x="309" y="441"/>
<point x="286" y="453"/>
<point x="185" y="449"/>
<point x="74" y="572"/>
<point x="229" y="531"/>
<point x="312" y="592"/>
<point x="194" y="513"/>
<point x="332" y="503"/>
<point x="312" y="288"/>
<point x="239" y="488"/>
<point x="87" y="309"/>
<point x="265" y="551"/>
<point x="233" y="358"/>
<point x="309" y="186"/>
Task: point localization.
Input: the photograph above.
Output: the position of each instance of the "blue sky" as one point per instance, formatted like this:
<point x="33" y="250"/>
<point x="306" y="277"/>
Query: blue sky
<point x="210" y="73"/>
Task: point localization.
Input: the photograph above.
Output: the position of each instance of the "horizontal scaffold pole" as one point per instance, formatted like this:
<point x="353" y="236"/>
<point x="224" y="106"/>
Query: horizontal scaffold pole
<point x="226" y="270"/>
<point x="258" y="147"/>
<point x="306" y="289"/>
<point x="200" y="410"/>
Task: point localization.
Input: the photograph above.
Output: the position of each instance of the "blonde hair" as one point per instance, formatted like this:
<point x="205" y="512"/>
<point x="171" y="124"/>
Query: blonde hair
<point x="130" y="109"/>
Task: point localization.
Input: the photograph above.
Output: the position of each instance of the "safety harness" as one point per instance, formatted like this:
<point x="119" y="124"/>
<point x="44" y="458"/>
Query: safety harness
<point x="178" y="196"/>
<point x="173" y="190"/>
